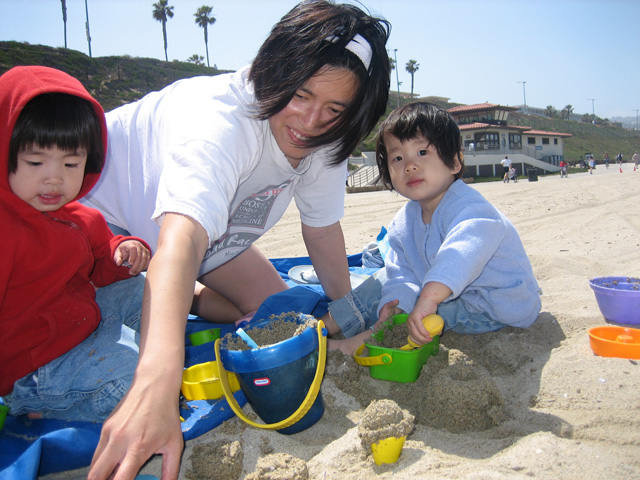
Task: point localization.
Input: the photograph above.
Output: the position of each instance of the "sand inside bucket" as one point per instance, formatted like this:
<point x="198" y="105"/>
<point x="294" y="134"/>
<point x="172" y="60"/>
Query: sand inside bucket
<point x="281" y="327"/>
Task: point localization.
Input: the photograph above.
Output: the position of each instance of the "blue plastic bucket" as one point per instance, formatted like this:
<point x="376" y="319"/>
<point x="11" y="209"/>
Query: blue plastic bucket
<point x="277" y="378"/>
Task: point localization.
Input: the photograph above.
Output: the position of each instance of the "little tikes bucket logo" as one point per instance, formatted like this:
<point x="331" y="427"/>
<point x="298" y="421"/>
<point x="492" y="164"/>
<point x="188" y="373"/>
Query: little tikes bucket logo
<point x="262" y="382"/>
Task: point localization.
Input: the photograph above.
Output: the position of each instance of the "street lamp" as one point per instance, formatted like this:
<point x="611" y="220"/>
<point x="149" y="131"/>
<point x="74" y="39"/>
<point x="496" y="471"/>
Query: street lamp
<point x="524" y="94"/>
<point x="86" y="9"/>
<point x="637" y="120"/>
<point x="395" y="55"/>
<point x="593" y="108"/>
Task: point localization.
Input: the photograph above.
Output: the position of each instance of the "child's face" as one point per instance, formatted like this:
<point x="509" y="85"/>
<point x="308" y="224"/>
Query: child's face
<point x="48" y="178"/>
<point x="417" y="171"/>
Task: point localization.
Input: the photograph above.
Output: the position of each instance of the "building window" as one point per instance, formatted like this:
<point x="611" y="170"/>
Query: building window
<point x="531" y="140"/>
<point x="555" y="141"/>
<point x="487" y="141"/>
<point x="515" y="141"/>
<point x="545" y="141"/>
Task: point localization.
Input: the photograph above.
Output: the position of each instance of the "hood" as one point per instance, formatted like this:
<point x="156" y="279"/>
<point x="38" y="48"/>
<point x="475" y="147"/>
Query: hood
<point x="17" y="87"/>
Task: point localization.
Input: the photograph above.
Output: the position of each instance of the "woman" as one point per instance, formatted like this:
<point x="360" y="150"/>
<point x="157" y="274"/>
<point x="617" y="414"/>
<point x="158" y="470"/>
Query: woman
<point x="203" y="168"/>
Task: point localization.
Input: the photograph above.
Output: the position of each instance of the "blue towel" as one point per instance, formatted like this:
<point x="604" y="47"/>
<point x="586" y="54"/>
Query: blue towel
<point x="29" y="448"/>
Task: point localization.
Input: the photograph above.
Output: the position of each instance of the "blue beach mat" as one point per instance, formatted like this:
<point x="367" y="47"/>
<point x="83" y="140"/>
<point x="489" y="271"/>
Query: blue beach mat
<point x="29" y="448"/>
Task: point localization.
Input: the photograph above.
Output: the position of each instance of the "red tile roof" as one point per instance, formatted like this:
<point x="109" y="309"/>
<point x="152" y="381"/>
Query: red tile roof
<point x="550" y="134"/>
<point x="478" y="125"/>
<point x="480" y="107"/>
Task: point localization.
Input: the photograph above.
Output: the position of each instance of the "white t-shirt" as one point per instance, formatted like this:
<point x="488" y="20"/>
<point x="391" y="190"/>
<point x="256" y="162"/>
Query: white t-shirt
<point x="194" y="149"/>
<point x="506" y="162"/>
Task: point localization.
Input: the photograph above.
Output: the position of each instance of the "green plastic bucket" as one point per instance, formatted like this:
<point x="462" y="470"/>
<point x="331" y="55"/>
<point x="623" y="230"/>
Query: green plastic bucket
<point x="392" y="364"/>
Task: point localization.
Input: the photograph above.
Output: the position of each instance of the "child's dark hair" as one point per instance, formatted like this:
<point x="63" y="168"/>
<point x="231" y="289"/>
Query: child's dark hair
<point x="59" y="120"/>
<point x="312" y="35"/>
<point x="425" y="120"/>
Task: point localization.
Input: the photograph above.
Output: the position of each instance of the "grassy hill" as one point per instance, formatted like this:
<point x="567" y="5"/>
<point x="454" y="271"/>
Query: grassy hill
<point x="587" y="138"/>
<point x="114" y="81"/>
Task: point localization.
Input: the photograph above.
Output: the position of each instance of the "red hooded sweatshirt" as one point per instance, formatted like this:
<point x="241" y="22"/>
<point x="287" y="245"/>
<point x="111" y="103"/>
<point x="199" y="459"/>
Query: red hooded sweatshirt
<point x="50" y="262"/>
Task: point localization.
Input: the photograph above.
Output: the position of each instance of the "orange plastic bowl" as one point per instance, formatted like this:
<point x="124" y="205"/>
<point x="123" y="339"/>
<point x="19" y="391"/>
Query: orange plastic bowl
<point x="615" y="342"/>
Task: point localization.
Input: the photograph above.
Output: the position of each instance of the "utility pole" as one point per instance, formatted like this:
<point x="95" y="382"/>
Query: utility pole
<point x="637" y="120"/>
<point x="86" y="8"/>
<point x="593" y="109"/>
<point x="524" y="94"/>
<point x="395" y="55"/>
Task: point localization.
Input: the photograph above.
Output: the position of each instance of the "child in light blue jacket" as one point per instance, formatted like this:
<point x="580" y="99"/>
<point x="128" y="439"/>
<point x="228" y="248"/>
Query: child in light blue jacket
<point x="451" y="252"/>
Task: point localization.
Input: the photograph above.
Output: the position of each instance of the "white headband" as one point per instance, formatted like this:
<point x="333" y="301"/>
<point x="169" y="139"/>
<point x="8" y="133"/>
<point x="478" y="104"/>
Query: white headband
<point x="359" y="47"/>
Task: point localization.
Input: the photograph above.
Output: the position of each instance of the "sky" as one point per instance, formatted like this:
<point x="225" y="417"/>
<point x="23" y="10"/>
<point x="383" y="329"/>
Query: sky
<point x="584" y="53"/>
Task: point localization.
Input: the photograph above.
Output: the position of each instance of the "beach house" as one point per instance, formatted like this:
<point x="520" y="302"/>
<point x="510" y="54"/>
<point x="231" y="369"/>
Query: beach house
<point x="487" y="138"/>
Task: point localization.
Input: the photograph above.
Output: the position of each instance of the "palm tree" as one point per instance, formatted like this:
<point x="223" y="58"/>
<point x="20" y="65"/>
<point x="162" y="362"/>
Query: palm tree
<point x="567" y="110"/>
<point x="161" y="12"/>
<point x="204" y="20"/>
<point x="64" y="19"/>
<point x="412" y="67"/>
<point x="550" y="111"/>
<point x="195" y="58"/>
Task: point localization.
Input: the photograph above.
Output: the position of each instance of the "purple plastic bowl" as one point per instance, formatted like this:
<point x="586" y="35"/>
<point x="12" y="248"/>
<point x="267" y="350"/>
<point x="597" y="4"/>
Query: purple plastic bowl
<point x="618" y="298"/>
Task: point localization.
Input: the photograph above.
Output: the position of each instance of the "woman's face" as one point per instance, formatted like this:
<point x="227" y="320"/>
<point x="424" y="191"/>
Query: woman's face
<point x="312" y="110"/>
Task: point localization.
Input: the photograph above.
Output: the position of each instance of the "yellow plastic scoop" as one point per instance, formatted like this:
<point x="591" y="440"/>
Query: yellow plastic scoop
<point x="434" y="324"/>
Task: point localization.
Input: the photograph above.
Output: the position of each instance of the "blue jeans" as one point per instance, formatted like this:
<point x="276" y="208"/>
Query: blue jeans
<point x="87" y="382"/>
<point x="358" y="311"/>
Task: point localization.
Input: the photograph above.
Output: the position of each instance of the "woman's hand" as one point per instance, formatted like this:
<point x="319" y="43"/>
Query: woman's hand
<point x="128" y="438"/>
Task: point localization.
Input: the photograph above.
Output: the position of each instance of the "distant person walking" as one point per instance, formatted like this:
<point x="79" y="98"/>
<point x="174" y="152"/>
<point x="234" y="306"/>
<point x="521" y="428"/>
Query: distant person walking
<point x="635" y="160"/>
<point x="506" y="165"/>
<point x="606" y="160"/>
<point x="592" y="165"/>
<point x="619" y="161"/>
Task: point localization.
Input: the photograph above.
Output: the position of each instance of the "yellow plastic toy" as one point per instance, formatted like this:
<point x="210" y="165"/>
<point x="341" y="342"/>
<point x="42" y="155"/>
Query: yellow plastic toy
<point x="434" y="324"/>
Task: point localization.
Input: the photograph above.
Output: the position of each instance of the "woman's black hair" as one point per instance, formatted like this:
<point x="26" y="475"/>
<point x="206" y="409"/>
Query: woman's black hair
<point x="59" y="120"/>
<point x="426" y="120"/>
<point x="313" y="35"/>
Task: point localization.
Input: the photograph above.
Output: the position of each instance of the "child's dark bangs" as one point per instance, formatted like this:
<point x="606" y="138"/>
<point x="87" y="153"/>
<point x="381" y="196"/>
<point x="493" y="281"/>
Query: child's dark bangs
<point x="65" y="123"/>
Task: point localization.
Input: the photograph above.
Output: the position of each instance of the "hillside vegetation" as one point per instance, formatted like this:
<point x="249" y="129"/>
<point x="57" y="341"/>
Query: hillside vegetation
<point x="114" y="81"/>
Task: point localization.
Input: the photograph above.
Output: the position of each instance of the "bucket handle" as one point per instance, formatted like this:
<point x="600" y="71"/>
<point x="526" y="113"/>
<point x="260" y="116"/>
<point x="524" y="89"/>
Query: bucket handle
<point x="306" y="403"/>
<point x="383" y="359"/>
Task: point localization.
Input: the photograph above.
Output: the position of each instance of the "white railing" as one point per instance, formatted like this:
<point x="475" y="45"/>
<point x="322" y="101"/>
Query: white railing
<point x="362" y="177"/>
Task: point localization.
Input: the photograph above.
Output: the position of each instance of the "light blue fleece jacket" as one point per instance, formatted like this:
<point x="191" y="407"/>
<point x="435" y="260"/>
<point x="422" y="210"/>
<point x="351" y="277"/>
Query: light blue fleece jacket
<point x="469" y="246"/>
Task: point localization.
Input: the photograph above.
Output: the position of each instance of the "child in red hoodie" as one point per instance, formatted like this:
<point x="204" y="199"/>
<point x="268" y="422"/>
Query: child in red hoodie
<point x="70" y="294"/>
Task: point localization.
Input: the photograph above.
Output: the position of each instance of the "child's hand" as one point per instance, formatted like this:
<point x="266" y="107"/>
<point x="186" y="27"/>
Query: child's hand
<point x="427" y="303"/>
<point x="417" y="332"/>
<point x="133" y="254"/>
<point x="389" y="309"/>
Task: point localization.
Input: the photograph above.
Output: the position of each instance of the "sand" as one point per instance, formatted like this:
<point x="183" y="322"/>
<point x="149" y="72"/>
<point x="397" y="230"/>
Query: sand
<point x="515" y="404"/>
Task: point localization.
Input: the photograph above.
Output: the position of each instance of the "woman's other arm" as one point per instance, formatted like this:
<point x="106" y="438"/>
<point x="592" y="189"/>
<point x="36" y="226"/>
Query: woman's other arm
<point x="147" y="421"/>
